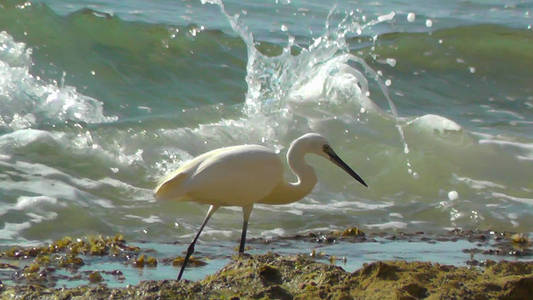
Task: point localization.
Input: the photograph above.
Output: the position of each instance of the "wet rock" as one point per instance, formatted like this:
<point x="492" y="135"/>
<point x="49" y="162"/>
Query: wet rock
<point x="381" y="270"/>
<point x="95" y="277"/>
<point x="519" y="238"/>
<point x="274" y="292"/>
<point x="415" y="290"/>
<point x="521" y="288"/>
<point x="280" y="277"/>
<point x="269" y="275"/>
<point x="299" y="277"/>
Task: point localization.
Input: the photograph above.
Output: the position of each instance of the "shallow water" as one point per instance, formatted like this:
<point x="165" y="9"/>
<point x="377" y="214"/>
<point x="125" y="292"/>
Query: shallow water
<point x="99" y="100"/>
<point x="349" y="253"/>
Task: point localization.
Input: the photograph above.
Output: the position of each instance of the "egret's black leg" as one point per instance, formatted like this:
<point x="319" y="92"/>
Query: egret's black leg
<point x="190" y="250"/>
<point x="246" y="211"/>
<point x="243" y="236"/>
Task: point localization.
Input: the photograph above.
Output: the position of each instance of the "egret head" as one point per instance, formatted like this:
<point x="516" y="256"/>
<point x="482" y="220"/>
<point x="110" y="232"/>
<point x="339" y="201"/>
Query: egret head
<point x="315" y="143"/>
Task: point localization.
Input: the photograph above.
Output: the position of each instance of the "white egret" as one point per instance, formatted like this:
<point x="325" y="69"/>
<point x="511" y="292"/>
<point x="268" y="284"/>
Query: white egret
<point x="244" y="175"/>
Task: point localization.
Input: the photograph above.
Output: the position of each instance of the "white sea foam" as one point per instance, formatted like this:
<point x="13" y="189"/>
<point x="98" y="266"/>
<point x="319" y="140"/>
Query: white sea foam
<point x="25" y="202"/>
<point x="14" y="141"/>
<point x="512" y="198"/>
<point x="216" y="233"/>
<point x="524" y="146"/>
<point x="276" y="232"/>
<point x="104" y="203"/>
<point x="435" y="123"/>
<point x="388" y="225"/>
<point x="478" y="184"/>
<point x="525" y="150"/>
<point x="42" y="216"/>
<point x="53" y="186"/>
<point x="339" y="206"/>
<point x="151" y="219"/>
<point x="20" y="91"/>
<point x="11" y="231"/>
<point x="292" y="210"/>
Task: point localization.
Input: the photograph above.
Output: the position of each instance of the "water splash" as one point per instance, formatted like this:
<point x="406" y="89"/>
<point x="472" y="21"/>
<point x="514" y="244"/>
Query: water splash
<point x="325" y="72"/>
<point x="28" y="101"/>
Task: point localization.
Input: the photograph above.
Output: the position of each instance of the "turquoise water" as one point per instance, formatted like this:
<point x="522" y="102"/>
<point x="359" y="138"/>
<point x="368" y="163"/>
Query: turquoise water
<point x="430" y="102"/>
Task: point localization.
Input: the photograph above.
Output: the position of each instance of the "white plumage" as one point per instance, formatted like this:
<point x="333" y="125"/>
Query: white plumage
<point x="244" y="175"/>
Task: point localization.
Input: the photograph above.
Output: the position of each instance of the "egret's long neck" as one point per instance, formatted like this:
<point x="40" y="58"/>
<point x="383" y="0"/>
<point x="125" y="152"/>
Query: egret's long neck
<point x="305" y="173"/>
<point x="288" y="192"/>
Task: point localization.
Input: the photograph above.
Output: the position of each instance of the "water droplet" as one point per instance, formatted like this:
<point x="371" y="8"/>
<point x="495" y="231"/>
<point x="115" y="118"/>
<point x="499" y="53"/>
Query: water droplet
<point x="411" y="17"/>
<point x="453" y="195"/>
<point x="472" y="70"/>
<point x="284" y="28"/>
<point x="429" y="23"/>
<point x="391" y="62"/>
<point x="388" y="82"/>
<point x="362" y="110"/>
<point x="93" y="72"/>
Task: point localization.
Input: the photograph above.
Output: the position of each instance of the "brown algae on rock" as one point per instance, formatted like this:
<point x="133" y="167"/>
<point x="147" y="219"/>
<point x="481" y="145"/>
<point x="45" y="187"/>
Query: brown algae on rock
<point x="64" y="254"/>
<point x="95" y="277"/>
<point x="193" y="261"/>
<point x="353" y="231"/>
<point x="520" y="238"/>
<point x="143" y="261"/>
<point x="271" y="276"/>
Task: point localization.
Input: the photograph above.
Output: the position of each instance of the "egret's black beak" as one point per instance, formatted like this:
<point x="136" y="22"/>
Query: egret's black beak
<point x="338" y="161"/>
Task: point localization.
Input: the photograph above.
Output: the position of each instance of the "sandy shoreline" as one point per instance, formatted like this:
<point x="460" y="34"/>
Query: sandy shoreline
<point x="39" y="272"/>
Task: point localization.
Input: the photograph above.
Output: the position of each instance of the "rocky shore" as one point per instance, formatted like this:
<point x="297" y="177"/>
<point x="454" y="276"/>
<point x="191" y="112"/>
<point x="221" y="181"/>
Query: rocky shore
<point x="271" y="276"/>
<point x="275" y="276"/>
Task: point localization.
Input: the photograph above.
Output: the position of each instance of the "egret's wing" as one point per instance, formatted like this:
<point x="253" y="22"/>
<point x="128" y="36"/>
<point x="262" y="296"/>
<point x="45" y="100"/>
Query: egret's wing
<point x="170" y="187"/>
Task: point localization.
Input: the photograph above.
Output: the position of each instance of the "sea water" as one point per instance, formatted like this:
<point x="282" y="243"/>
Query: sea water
<point x="431" y="102"/>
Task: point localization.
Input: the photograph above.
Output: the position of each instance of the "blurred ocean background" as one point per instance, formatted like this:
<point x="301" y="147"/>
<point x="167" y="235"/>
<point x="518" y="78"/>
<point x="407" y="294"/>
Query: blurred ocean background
<point x="431" y="102"/>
